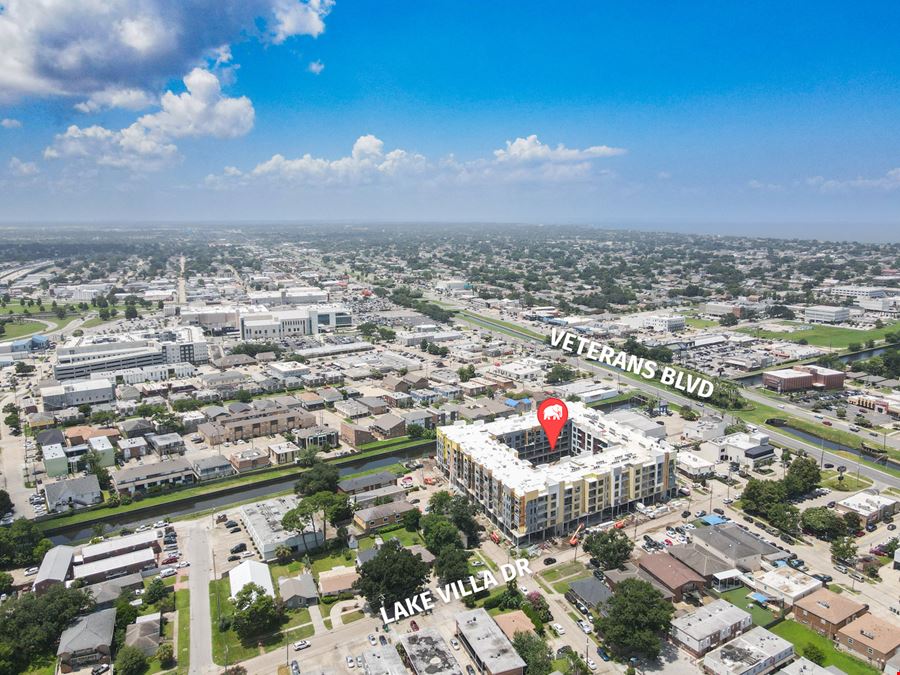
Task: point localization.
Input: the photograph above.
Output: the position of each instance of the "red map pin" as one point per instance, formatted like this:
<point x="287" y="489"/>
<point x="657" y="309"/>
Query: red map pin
<point x="552" y="414"/>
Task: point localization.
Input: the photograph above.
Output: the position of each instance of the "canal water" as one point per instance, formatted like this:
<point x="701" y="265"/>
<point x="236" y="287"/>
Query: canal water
<point x="832" y="445"/>
<point x="114" y="523"/>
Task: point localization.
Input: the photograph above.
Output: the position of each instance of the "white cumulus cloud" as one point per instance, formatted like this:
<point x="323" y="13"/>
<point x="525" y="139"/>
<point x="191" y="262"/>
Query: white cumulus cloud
<point x="530" y="149"/>
<point x="889" y="182"/>
<point x="523" y="160"/>
<point x="112" y="97"/>
<point x="84" y="47"/>
<point x="9" y="123"/>
<point x="201" y="110"/>
<point x="19" y="168"/>
<point x="315" y="67"/>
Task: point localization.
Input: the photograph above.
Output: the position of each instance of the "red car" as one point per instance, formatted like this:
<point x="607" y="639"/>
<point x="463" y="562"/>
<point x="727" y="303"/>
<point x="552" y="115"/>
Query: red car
<point x="414" y="625"/>
<point x="171" y="559"/>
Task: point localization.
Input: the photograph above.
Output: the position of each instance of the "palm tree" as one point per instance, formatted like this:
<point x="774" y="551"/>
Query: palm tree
<point x="283" y="553"/>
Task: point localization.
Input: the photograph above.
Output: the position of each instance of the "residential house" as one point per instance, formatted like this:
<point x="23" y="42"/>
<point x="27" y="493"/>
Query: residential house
<point x="87" y="641"/>
<point x="73" y="493"/>
<point x="709" y="626"/>
<point x="379" y="516"/>
<point x="872" y="638"/>
<point x="212" y="467"/>
<point x="299" y="591"/>
<point x="826" y="612"/>
<point x="673" y="574"/>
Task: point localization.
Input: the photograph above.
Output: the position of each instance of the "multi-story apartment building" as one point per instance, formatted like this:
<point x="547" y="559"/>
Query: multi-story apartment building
<point x="599" y="469"/>
<point x="255" y="423"/>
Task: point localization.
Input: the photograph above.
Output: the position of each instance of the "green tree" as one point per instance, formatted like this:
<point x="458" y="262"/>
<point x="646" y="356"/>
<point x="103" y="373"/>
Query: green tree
<point x="534" y="652"/>
<point x="130" y="661"/>
<point x="6" y="504"/>
<point x="814" y="653"/>
<point x="165" y="654"/>
<point x="823" y="522"/>
<point x="803" y="476"/>
<point x="320" y="477"/>
<point x="844" y="548"/>
<point x="451" y="564"/>
<point x="611" y="547"/>
<point x="637" y="614"/>
<point x="852" y="521"/>
<point x="131" y="313"/>
<point x="786" y="517"/>
<point x="393" y="575"/>
<point x="6" y="582"/>
<point x="411" y="520"/>
<point x="156" y="591"/>
<point x="254" y="611"/>
<point x="439" y="533"/>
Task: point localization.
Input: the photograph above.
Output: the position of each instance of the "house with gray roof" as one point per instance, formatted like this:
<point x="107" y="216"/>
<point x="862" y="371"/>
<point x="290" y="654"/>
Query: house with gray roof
<point x="73" y="493"/>
<point x="299" y="591"/>
<point x="214" y="466"/>
<point x="87" y="641"/>
<point x="352" y="486"/>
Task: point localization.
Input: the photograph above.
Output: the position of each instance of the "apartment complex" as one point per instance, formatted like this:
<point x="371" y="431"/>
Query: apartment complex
<point x="255" y="422"/>
<point x="598" y="469"/>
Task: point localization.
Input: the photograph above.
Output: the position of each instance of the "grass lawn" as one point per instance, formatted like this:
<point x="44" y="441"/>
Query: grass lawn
<point x="183" y="654"/>
<point x="327" y="621"/>
<point x="701" y="323"/>
<point x="324" y="562"/>
<point x="14" y="331"/>
<point x="800" y="636"/>
<point x="350" y="617"/>
<point x="562" y="587"/>
<point x="498" y="325"/>
<point x="849" y="484"/>
<point x="564" y="570"/>
<point x="739" y="598"/>
<point x="826" y="336"/>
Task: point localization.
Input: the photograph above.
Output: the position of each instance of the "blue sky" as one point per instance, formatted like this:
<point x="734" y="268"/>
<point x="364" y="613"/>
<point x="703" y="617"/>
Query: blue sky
<point x="724" y="116"/>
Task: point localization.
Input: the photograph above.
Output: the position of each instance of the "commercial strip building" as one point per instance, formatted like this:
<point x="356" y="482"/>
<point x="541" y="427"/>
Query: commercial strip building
<point x="870" y="507"/>
<point x="428" y="654"/>
<point x="489" y="648"/>
<point x="262" y="521"/>
<point x="116" y="566"/>
<point x="786" y="585"/>
<point x="599" y="468"/>
<point x="119" y="545"/>
<point x="755" y="652"/>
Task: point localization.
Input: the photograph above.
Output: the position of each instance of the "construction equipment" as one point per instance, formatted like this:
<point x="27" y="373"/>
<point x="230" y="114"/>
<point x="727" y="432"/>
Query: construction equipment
<point x="574" y="540"/>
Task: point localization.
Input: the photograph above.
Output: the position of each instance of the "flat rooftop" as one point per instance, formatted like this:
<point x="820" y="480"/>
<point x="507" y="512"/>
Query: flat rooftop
<point x="428" y="653"/>
<point x="488" y="642"/>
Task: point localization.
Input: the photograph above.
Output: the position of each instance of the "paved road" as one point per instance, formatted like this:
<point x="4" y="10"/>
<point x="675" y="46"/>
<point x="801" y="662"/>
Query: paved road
<point x="196" y="534"/>
<point x="648" y="387"/>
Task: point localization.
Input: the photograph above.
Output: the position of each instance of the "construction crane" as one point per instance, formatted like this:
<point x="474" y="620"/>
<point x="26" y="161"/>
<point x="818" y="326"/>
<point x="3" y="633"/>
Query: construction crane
<point x="574" y="540"/>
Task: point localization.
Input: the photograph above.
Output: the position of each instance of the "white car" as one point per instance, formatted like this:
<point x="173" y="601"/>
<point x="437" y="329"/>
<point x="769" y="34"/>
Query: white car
<point x="301" y="644"/>
<point x="167" y="572"/>
<point x="591" y="664"/>
<point x="160" y="523"/>
<point x="454" y="643"/>
<point x="350" y="662"/>
<point x="247" y="554"/>
<point x="585" y="626"/>
<point x="183" y="564"/>
<point x="523" y="590"/>
<point x="31" y="571"/>
<point x="559" y="630"/>
<point x="372" y="640"/>
<point x="142" y="528"/>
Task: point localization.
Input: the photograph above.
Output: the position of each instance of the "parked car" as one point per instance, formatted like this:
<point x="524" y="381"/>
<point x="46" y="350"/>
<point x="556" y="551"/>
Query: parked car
<point x="238" y="548"/>
<point x="167" y="572"/>
<point x="99" y="668"/>
<point x="295" y="668"/>
<point x="350" y="662"/>
<point x="559" y="630"/>
<point x="247" y="554"/>
<point x="454" y="643"/>
<point x="601" y="652"/>
<point x="414" y="625"/>
<point x="301" y="644"/>
<point x="719" y="511"/>
<point x="382" y="640"/>
<point x="31" y="571"/>
<point x="549" y="561"/>
<point x="230" y="523"/>
<point x="232" y="558"/>
<point x="685" y="514"/>
<point x="234" y="530"/>
<point x="172" y="559"/>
